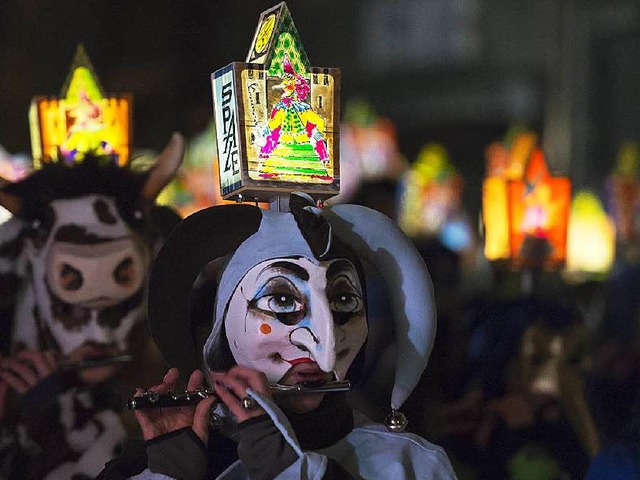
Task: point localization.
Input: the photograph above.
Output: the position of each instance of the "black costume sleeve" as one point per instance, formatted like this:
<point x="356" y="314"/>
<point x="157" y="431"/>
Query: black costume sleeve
<point x="179" y="454"/>
<point x="265" y="453"/>
<point x="263" y="450"/>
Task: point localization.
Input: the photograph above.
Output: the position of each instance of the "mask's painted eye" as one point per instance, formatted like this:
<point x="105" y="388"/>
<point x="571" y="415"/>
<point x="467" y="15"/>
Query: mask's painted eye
<point x="279" y="303"/>
<point x="280" y="298"/>
<point x="287" y="308"/>
<point x="344" y="305"/>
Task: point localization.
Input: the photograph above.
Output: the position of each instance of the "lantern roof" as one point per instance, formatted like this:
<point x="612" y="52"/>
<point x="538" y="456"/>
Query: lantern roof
<point x="628" y="161"/>
<point x="81" y="78"/>
<point x="276" y="37"/>
<point x="537" y="169"/>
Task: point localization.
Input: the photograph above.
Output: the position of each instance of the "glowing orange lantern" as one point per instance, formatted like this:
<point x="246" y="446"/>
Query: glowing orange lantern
<point x="538" y="215"/>
<point x="504" y="163"/>
<point x="82" y="120"/>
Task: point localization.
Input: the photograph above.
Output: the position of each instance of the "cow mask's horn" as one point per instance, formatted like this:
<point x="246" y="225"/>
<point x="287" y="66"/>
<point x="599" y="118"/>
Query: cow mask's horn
<point x="206" y="235"/>
<point x="164" y="169"/>
<point x="376" y="239"/>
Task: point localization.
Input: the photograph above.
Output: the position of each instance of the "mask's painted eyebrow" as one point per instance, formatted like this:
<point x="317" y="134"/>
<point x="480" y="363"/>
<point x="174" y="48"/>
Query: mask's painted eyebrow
<point x="339" y="266"/>
<point x="291" y="267"/>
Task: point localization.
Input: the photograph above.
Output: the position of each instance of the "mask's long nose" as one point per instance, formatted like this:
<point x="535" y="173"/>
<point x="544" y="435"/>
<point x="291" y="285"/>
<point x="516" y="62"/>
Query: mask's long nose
<point x="318" y="337"/>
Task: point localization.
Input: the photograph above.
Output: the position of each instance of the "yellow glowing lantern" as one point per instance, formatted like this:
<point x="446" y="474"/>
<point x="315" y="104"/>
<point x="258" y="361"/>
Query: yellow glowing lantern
<point x="276" y="117"/>
<point x="538" y="215"/>
<point x="591" y="238"/>
<point x="504" y="163"/>
<point x="82" y="120"/>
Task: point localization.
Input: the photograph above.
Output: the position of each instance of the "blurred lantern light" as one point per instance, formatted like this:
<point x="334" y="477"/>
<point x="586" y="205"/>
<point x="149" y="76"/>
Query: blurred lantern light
<point x="13" y="168"/>
<point x="277" y="117"/>
<point x="505" y="162"/>
<point x="526" y="218"/>
<point x="538" y="215"/>
<point x="431" y="193"/>
<point x="623" y="193"/>
<point x="368" y="149"/>
<point x="82" y="120"/>
<point x="591" y="239"/>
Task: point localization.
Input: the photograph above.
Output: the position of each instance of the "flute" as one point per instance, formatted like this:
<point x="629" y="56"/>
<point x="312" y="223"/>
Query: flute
<point x="190" y="398"/>
<point x="67" y="365"/>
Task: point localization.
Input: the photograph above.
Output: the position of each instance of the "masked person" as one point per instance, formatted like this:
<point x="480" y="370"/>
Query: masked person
<point x="82" y="239"/>
<point x="290" y="309"/>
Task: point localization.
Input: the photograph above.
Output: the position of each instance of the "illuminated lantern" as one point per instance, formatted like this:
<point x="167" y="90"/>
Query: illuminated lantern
<point x="276" y="117"/>
<point x="538" y="215"/>
<point x="13" y="168"/>
<point x="623" y="191"/>
<point x="368" y="149"/>
<point x="431" y="193"/>
<point x="591" y="238"/>
<point x="504" y="163"/>
<point x="82" y="120"/>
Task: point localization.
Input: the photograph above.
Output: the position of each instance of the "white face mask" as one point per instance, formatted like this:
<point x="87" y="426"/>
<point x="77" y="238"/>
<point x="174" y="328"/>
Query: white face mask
<point x="292" y="310"/>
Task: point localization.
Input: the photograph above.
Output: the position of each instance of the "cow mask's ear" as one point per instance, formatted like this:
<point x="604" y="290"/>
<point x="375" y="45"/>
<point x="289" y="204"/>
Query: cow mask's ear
<point x="11" y="202"/>
<point x="163" y="171"/>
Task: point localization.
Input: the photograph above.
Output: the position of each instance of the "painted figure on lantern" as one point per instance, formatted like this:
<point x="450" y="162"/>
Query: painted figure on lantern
<point x="294" y="130"/>
<point x="85" y="129"/>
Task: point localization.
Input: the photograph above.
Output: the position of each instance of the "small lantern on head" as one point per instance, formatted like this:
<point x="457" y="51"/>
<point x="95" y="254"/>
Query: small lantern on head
<point x="277" y="118"/>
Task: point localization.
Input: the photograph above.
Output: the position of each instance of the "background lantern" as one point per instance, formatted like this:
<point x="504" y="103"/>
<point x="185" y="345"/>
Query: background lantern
<point x="431" y="193"/>
<point x="538" y="215"/>
<point x="623" y="193"/>
<point x="505" y="161"/>
<point x="590" y="240"/>
<point x="82" y="120"/>
<point x="277" y="117"/>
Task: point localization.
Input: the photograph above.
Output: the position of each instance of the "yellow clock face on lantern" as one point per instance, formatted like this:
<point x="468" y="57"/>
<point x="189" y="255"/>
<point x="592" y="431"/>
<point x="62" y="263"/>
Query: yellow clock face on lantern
<point x="265" y="33"/>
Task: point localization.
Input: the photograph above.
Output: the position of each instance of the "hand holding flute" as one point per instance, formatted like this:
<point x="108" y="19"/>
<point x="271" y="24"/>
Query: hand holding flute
<point x="228" y="387"/>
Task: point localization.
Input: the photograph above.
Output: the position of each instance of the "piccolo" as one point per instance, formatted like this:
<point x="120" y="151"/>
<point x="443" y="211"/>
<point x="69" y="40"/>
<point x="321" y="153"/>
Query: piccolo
<point x="67" y="365"/>
<point x="188" y="398"/>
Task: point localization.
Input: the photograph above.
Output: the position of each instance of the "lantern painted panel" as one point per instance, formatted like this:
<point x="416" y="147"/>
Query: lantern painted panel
<point x="505" y="161"/>
<point x="495" y="213"/>
<point x="538" y="215"/>
<point x="277" y="117"/>
<point x="82" y="120"/>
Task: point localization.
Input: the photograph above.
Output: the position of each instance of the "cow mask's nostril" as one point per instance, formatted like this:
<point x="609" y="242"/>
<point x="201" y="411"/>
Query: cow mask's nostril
<point x="70" y="278"/>
<point x="125" y="272"/>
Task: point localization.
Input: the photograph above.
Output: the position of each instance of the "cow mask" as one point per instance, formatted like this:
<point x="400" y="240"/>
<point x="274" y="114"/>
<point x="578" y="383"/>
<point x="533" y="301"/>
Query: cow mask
<point x="88" y="246"/>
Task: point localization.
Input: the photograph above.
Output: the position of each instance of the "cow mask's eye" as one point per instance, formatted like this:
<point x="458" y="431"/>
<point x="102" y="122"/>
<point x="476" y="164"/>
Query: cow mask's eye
<point x="70" y="278"/>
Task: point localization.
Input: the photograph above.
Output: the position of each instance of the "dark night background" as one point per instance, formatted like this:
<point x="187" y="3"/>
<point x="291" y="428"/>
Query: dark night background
<point x="455" y="71"/>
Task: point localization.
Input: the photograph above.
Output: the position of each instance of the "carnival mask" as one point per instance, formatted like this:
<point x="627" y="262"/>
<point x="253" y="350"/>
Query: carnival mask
<point x="288" y="311"/>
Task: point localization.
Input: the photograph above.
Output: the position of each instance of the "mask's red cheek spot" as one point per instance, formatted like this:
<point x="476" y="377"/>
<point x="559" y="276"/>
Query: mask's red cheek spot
<point x="265" y="329"/>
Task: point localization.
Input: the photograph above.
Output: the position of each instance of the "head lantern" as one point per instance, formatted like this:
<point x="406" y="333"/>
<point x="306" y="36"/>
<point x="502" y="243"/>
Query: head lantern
<point x="291" y="278"/>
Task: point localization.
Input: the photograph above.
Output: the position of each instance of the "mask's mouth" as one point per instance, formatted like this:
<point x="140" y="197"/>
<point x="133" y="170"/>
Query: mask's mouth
<point x="306" y="372"/>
